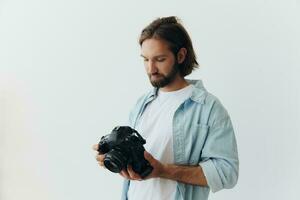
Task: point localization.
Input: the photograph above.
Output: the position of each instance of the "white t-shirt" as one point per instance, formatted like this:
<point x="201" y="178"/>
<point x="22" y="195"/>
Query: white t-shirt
<point x="155" y="125"/>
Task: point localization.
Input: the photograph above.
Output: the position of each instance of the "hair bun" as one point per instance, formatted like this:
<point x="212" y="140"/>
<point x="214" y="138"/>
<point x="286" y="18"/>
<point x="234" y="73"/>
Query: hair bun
<point x="169" y="20"/>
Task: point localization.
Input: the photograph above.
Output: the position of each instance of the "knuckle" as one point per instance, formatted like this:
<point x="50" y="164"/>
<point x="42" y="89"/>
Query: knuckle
<point x="101" y="163"/>
<point x="95" y="146"/>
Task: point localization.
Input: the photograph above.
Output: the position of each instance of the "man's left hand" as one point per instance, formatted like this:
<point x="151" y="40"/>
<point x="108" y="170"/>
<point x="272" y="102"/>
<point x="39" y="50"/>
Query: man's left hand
<point x="158" y="169"/>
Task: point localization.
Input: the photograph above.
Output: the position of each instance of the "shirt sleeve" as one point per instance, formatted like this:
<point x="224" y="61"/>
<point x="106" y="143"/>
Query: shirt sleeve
<point x="219" y="160"/>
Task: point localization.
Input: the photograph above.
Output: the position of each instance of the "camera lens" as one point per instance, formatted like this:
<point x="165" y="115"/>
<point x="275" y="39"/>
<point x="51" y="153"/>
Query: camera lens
<point x="115" y="161"/>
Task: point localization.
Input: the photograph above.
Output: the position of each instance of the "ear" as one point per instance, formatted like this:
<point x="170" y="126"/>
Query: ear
<point x="181" y="55"/>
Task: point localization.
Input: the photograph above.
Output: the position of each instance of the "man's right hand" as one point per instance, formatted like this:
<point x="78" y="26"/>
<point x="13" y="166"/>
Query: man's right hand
<point x="99" y="157"/>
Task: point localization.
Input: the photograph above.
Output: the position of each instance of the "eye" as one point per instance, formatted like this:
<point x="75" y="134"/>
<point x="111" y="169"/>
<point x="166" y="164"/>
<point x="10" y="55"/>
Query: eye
<point x="161" y="59"/>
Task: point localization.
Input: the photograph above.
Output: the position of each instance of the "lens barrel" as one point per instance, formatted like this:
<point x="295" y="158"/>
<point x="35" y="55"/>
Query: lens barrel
<point x="115" y="161"/>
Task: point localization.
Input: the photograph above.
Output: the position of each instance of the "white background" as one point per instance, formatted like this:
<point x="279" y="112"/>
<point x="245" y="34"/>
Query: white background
<point x="70" y="71"/>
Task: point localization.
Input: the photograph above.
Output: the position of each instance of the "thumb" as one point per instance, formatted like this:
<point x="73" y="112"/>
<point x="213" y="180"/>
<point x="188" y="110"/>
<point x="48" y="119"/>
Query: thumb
<point x="148" y="156"/>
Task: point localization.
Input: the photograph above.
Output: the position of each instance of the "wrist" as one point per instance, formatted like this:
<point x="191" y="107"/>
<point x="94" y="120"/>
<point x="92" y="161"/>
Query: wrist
<point x="164" y="171"/>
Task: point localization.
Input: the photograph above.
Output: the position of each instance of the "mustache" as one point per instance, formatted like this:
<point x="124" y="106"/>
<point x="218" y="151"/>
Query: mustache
<point x="155" y="74"/>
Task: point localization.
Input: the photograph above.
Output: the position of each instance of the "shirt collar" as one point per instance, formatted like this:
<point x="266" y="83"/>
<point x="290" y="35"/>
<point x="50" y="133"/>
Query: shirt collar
<point x="198" y="93"/>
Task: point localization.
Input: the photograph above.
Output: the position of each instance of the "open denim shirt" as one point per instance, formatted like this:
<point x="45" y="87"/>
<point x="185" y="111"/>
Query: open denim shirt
<point x="202" y="135"/>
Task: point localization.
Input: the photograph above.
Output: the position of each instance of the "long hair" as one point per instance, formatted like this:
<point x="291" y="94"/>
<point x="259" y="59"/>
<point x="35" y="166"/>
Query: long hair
<point x="170" y="30"/>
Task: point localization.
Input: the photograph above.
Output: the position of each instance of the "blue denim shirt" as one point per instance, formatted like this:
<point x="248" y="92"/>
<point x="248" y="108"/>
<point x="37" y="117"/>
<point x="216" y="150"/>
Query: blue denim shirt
<point x="202" y="135"/>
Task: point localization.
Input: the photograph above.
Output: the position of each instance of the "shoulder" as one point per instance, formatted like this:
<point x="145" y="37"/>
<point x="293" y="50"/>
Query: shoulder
<point x="217" y="111"/>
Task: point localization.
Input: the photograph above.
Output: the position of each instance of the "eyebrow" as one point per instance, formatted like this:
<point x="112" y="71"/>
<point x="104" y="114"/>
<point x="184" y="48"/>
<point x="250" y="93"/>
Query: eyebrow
<point x="158" y="56"/>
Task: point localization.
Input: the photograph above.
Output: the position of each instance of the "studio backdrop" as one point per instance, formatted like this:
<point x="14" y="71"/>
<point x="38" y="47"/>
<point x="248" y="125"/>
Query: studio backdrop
<point x="70" y="71"/>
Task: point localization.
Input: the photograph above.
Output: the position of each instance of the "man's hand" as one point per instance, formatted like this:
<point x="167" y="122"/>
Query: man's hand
<point x="158" y="169"/>
<point x="129" y="173"/>
<point x="99" y="157"/>
<point x="185" y="174"/>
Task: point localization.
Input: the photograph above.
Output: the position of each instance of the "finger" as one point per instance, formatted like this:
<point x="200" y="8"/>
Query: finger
<point x="125" y="174"/>
<point x="100" y="157"/>
<point x="148" y="157"/>
<point x="101" y="164"/>
<point x="95" y="147"/>
<point x="132" y="174"/>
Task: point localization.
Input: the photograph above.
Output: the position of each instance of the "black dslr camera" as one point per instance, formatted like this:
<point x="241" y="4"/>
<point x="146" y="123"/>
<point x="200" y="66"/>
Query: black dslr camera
<point x="122" y="147"/>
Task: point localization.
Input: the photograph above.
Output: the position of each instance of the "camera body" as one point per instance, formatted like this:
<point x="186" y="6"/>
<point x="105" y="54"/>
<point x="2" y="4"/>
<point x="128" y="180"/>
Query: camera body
<point x="122" y="147"/>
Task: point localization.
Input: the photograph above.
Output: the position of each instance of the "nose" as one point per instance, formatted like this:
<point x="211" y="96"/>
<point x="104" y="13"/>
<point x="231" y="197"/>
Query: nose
<point x="151" y="67"/>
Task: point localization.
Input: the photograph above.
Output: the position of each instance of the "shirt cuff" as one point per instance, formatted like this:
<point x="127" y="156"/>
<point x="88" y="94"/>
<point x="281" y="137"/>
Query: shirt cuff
<point x="211" y="174"/>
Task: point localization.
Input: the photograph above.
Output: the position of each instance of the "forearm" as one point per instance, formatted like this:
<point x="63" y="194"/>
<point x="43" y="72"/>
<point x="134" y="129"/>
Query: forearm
<point x="185" y="174"/>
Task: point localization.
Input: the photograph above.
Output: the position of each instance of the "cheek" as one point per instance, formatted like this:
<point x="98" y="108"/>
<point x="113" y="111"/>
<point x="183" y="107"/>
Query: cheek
<point x="146" y="67"/>
<point x="165" y="66"/>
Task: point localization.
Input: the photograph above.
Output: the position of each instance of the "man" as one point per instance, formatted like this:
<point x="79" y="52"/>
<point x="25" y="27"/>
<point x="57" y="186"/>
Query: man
<point x="190" y="138"/>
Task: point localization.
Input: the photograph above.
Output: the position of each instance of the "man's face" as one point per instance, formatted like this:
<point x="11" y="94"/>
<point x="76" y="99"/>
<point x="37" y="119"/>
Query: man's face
<point x="160" y="63"/>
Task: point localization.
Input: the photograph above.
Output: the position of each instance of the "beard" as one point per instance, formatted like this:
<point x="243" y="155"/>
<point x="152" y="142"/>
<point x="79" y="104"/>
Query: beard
<point x="159" y="80"/>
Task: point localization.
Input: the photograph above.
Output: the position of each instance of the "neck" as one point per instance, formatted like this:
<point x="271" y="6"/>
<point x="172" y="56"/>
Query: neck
<point x="177" y="84"/>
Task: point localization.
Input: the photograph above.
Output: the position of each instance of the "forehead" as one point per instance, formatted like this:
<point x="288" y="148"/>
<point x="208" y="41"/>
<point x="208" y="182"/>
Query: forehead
<point x="152" y="47"/>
